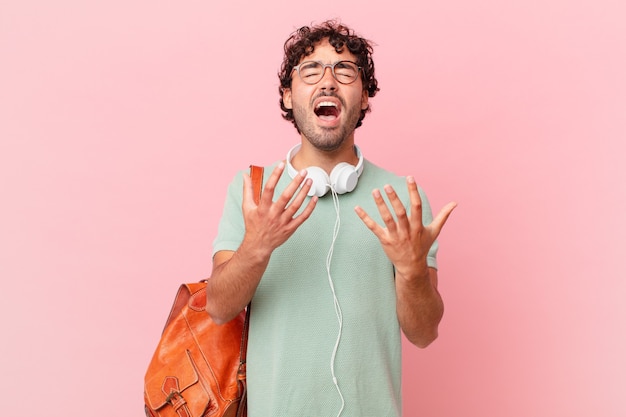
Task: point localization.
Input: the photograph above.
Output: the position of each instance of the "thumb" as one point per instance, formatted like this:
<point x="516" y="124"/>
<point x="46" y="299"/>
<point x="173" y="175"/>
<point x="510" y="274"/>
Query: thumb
<point x="442" y="218"/>
<point x="248" y="195"/>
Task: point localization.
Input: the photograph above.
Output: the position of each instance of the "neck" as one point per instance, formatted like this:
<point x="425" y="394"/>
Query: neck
<point x="308" y="155"/>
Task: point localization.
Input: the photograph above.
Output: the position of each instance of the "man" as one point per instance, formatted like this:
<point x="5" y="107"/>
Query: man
<point x="334" y="272"/>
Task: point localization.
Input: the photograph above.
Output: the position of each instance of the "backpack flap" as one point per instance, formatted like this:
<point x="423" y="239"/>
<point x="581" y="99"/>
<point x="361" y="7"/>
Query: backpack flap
<point x="174" y="385"/>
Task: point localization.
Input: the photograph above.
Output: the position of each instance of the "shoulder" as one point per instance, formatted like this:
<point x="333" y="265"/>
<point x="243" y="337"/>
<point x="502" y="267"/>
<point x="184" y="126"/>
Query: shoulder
<point x="374" y="176"/>
<point x="372" y="171"/>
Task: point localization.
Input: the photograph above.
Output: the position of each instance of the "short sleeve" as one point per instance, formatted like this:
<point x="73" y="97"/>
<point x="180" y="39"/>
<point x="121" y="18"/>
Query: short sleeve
<point x="231" y="227"/>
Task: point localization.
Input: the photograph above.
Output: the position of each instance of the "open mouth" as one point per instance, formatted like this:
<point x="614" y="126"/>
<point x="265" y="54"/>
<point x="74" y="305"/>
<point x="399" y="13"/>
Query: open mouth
<point x="327" y="110"/>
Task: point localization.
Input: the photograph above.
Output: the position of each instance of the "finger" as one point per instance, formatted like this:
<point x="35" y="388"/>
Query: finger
<point x="300" y="218"/>
<point x="267" y="195"/>
<point x="296" y="203"/>
<point x="383" y="209"/>
<point x="369" y="222"/>
<point x="291" y="190"/>
<point x="398" y="207"/>
<point x="416" y="201"/>
<point x="441" y="219"/>
<point x="248" y="193"/>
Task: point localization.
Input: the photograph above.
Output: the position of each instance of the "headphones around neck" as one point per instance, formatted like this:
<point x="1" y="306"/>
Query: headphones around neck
<point x="342" y="179"/>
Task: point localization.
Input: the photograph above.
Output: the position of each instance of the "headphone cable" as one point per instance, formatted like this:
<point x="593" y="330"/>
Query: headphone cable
<point x="335" y="300"/>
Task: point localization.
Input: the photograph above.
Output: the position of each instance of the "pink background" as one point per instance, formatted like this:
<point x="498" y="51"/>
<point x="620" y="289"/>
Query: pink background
<point x="122" y="122"/>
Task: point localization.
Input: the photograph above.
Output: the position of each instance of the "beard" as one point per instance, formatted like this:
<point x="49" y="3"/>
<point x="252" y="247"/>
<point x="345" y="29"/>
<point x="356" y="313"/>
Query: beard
<point x="323" y="138"/>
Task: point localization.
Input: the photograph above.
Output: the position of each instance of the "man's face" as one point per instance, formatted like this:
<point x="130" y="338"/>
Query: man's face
<point x="326" y="112"/>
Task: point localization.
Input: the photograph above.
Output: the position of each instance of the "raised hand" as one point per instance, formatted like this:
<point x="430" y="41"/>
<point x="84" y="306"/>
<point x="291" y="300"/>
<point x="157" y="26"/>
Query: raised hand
<point x="270" y="223"/>
<point x="405" y="239"/>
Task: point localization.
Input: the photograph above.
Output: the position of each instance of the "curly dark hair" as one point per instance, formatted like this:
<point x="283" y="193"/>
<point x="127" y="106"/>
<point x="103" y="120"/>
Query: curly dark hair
<point x="302" y="42"/>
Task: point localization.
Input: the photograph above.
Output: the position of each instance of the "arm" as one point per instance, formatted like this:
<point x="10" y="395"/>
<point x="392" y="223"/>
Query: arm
<point x="419" y="307"/>
<point x="406" y="241"/>
<point x="268" y="225"/>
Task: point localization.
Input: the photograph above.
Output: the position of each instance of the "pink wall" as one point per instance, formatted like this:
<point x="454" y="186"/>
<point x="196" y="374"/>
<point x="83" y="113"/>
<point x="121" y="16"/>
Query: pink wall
<point x="121" y="123"/>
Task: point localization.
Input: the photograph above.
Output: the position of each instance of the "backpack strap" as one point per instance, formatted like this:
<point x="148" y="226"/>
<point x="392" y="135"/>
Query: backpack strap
<point x="256" y="174"/>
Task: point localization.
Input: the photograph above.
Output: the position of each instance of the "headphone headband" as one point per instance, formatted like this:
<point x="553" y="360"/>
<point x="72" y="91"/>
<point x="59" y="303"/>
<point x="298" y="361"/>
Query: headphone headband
<point x="342" y="179"/>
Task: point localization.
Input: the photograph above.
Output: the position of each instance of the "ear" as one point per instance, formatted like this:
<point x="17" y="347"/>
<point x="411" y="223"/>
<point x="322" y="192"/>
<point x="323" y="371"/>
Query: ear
<point x="287" y="98"/>
<point x="364" y="100"/>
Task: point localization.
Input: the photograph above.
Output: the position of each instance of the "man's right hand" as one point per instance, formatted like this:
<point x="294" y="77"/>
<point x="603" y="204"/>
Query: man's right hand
<point x="268" y="225"/>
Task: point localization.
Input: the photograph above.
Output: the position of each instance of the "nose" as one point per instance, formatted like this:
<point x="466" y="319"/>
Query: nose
<point x="328" y="81"/>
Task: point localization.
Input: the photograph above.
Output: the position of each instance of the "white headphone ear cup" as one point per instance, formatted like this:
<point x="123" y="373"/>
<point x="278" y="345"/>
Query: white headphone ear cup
<point x="343" y="178"/>
<point x="321" y="182"/>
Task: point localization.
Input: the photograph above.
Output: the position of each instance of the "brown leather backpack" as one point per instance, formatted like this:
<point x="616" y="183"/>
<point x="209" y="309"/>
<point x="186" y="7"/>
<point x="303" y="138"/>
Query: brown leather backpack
<point x="199" y="367"/>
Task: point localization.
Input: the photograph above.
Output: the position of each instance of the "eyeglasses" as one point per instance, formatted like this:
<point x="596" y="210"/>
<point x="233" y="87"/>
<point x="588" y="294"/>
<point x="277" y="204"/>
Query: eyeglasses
<point x="312" y="72"/>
